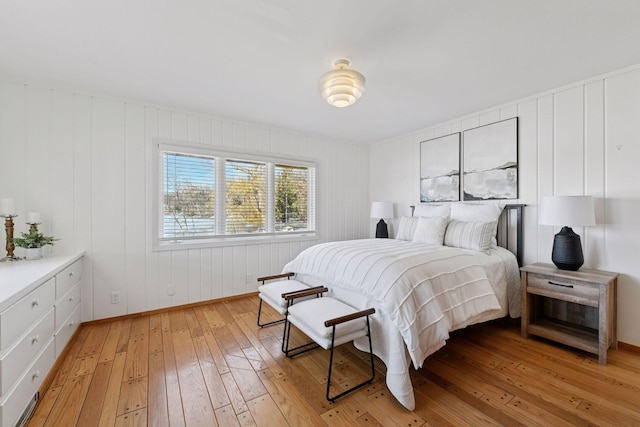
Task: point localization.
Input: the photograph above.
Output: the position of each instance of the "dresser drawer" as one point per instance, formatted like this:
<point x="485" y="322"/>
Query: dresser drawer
<point x="576" y="291"/>
<point x="68" y="278"/>
<point x="65" y="305"/>
<point x="24" y="313"/>
<point x="15" y="403"/>
<point x="66" y="330"/>
<point x="16" y="361"/>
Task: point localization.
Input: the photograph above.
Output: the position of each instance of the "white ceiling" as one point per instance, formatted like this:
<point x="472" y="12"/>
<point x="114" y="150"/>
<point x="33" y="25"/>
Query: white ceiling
<point x="425" y="61"/>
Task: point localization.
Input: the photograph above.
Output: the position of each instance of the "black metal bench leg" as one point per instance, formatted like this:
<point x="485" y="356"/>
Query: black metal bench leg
<point x="262" y="325"/>
<point x="373" y="370"/>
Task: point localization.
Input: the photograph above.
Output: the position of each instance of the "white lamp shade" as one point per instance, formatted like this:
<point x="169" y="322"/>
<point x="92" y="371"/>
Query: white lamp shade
<point x="381" y="210"/>
<point x="571" y="211"/>
<point x="341" y="87"/>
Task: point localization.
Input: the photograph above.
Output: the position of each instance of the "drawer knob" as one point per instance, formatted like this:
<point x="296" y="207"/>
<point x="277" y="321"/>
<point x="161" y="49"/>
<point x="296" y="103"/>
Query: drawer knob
<point x="71" y="274"/>
<point x="34" y="303"/>
<point x="35" y="375"/>
<point x="70" y="299"/>
<point x="564" y="285"/>
<point x="71" y="323"/>
<point x="35" y="339"/>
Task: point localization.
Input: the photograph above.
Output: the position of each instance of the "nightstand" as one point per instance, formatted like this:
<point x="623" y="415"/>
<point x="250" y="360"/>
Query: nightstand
<point x="576" y="308"/>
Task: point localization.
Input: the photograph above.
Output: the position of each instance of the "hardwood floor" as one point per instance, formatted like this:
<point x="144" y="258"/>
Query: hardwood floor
<point x="211" y="365"/>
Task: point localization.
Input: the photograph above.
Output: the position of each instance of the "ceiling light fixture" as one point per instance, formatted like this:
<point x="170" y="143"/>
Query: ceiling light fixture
<point x="341" y="87"/>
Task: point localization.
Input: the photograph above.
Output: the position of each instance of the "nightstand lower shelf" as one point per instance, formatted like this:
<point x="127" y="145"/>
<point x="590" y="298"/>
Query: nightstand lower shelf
<point x="566" y="333"/>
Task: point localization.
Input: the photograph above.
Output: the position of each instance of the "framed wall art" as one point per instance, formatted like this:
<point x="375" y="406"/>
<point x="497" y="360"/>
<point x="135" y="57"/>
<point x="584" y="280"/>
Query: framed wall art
<point x="490" y="159"/>
<point x="440" y="169"/>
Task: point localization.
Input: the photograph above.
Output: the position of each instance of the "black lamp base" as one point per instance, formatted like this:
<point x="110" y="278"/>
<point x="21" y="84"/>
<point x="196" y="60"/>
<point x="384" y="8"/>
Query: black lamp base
<point x="381" y="230"/>
<point x="567" y="250"/>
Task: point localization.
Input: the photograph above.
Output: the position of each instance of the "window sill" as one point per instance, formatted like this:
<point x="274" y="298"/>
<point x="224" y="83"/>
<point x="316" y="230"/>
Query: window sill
<point x="176" y="245"/>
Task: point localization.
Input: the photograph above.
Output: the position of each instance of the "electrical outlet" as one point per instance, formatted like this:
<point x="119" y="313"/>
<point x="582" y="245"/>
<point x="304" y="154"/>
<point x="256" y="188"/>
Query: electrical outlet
<point x="249" y="277"/>
<point x="171" y="290"/>
<point x="115" y="297"/>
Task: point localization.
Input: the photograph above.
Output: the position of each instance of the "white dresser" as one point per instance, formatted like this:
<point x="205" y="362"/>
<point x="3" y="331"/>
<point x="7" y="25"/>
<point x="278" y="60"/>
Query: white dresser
<point x="39" y="312"/>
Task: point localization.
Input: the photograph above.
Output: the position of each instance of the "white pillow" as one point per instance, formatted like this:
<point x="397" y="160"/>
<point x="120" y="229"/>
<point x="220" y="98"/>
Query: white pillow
<point x="477" y="212"/>
<point x="406" y="228"/>
<point x="476" y="236"/>
<point x="431" y="230"/>
<point x="432" y="210"/>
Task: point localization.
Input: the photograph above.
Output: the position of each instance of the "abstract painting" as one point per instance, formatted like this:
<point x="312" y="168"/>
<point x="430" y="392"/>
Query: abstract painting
<point x="490" y="162"/>
<point x="440" y="169"/>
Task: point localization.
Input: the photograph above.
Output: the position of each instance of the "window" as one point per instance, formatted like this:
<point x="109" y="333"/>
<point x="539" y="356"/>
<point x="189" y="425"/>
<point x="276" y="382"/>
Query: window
<point x="208" y="195"/>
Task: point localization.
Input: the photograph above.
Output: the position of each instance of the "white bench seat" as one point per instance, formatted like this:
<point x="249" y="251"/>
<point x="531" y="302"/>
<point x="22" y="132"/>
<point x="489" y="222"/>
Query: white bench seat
<point x="329" y="323"/>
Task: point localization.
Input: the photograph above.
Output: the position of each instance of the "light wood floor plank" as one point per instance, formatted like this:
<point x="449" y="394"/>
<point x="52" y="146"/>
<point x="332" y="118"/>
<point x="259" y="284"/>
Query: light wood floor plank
<point x="132" y="419"/>
<point x="112" y="395"/>
<point x="174" y="398"/>
<point x="133" y="396"/>
<point x="233" y="391"/>
<point x="67" y="407"/>
<point x="44" y="408"/>
<point x="111" y="342"/>
<point x="292" y="405"/>
<point x="212" y="365"/>
<point x="265" y="412"/>
<point x="96" y="339"/>
<point x="227" y="417"/>
<point x="125" y="333"/>
<point x="155" y="333"/>
<point x="139" y="327"/>
<point x="92" y="408"/>
<point x="213" y="381"/>
<point x="198" y="410"/>
<point x="157" y="410"/>
<point x="137" y="362"/>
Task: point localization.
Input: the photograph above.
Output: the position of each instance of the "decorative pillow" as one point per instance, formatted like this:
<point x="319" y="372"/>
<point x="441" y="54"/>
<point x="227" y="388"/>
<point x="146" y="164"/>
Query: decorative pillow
<point x="476" y="236"/>
<point x="431" y="230"/>
<point x="432" y="210"/>
<point x="406" y="228"/>
<point x="477" y="212"/>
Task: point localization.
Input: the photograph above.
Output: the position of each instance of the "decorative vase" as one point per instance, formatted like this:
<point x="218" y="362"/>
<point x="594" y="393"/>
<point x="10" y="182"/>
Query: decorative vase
<point x="33" y="253"/>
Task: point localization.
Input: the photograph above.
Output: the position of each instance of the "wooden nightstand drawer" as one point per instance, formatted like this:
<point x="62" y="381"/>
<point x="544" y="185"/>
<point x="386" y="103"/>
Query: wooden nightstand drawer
<point x="565" y="289"/>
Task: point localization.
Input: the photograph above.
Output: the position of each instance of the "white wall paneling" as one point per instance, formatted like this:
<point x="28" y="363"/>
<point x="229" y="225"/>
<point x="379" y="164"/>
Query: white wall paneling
<point x="622" y="195"/>
<point x="579" y="139"/>
<point x="84" y="163"/>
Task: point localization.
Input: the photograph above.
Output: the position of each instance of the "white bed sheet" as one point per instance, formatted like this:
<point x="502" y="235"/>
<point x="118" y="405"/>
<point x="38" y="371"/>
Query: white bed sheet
<point x="420" y="292"/>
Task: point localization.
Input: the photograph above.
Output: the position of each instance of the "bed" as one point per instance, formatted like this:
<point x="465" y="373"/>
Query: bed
<point x="421" y="291"/>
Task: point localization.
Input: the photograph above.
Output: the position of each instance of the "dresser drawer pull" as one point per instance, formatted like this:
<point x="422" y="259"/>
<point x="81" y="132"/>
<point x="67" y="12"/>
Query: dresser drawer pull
<point x="35" y="339"/>
<point x="34" y="303"/>
<point x="35" y="375"/>
<point x="70" y="299"/>
<point x="560" y="284"/>
<point x="71" y="323"/>
<point x="71" y="274"/>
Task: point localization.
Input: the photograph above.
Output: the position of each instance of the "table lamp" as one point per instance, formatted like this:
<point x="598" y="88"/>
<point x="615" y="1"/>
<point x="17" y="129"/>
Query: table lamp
<point x="567" y="211"/>
<point x="382" y="210"/>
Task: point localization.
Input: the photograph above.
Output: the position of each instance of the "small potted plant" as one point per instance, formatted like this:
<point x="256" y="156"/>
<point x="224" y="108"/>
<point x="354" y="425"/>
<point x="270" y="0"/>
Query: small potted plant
<point x="32" y="242"/>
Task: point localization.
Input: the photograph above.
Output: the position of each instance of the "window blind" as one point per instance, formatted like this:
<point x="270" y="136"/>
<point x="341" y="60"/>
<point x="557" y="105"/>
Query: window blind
<point x="246" y="197"/>
<point x="188" y="195"/>
<point x="291" y="199"/>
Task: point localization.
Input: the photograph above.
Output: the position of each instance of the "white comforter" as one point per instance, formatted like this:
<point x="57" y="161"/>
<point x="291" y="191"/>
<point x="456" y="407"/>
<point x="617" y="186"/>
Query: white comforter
<point x="420" y="293"/>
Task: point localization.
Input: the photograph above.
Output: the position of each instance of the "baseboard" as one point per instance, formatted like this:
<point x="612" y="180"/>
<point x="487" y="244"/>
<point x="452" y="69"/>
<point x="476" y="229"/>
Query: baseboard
<point x="628" y="347"/>
<point x="168" y="309"/>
